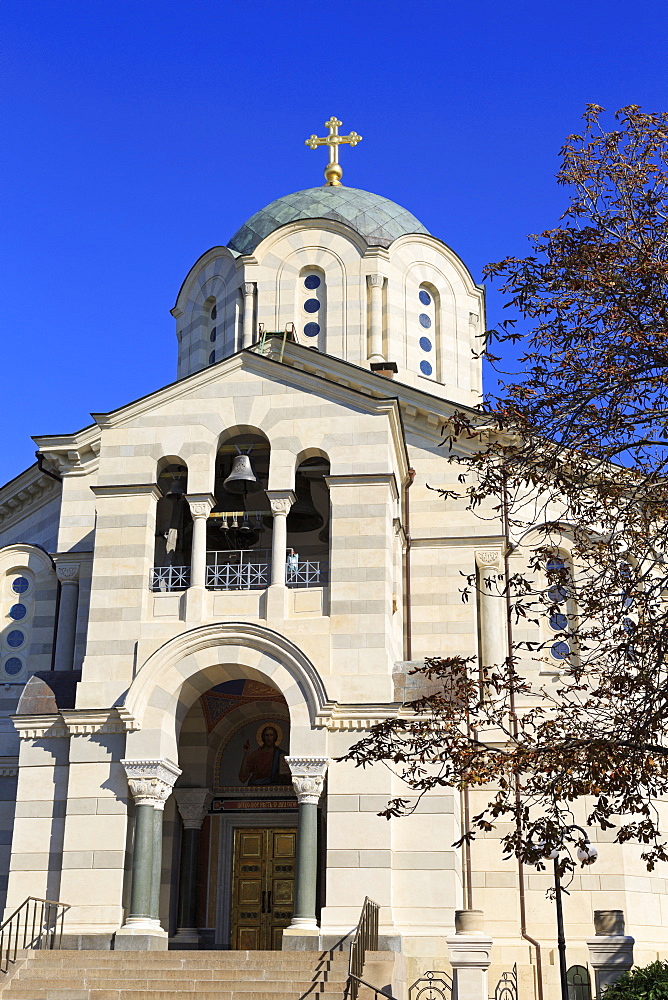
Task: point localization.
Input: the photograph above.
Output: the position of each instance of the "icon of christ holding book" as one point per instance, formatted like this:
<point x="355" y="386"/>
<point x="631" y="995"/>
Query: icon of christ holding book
<point x="266" y="765"/>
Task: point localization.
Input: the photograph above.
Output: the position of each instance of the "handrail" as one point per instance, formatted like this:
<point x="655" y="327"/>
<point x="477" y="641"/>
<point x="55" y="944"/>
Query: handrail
<point x="37" y="932"/>
<point x="366" y="939"/>
<point x="378" y="991"/>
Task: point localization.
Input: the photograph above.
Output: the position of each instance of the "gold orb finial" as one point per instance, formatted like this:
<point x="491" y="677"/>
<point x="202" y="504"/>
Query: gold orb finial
<point x="333" y="170"/>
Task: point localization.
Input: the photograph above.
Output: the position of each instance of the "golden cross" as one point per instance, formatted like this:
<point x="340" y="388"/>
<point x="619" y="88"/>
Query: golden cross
<point x="333" y="170"/>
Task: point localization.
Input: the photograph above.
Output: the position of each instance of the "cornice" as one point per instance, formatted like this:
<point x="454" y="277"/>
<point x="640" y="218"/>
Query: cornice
<point x="366" y="479"/>
<point x="74" y="722"/>
<point x="355" y="718"/>
<point x="9" y="767"/>
<point x="71" y="454"/>
<point x="128" y="490"/>
<point x="28" y="492"/>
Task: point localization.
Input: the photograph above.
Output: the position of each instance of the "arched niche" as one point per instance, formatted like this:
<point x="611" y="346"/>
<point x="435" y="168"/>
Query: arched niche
<point x="173" y="526"/>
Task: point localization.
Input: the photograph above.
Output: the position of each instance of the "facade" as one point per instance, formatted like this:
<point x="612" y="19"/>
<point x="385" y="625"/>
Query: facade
<point x="209" y="594"/>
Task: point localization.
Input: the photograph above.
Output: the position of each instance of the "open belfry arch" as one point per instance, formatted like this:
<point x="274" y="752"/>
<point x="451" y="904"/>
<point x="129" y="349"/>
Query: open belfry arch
<point x="211" y="592"/>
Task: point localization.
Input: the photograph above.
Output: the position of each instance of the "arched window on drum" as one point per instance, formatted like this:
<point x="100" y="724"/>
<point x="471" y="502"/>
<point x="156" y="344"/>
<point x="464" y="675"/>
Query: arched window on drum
<point x="312" y="297"/>
<point x="211" y="329"/>
<point x="427" y="331"/>
<point x="559" y="603"/>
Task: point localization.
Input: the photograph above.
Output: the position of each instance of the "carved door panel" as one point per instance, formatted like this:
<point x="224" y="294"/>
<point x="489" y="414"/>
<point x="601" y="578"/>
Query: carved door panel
<point x="262" y="887"/>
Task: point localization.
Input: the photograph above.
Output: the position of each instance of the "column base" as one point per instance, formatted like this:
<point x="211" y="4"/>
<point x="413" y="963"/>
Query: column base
<point x="301" y="938"/>
<point x="140" y="934"/>
<point x="196" y="604"/>
<point x="277" y="598"/>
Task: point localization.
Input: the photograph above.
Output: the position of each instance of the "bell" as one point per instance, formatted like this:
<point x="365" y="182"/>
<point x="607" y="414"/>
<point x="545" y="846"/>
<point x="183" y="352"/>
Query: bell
<point x="242" y="478"/>
<point x="303" y="515"/>
<point x="176" y="489"/>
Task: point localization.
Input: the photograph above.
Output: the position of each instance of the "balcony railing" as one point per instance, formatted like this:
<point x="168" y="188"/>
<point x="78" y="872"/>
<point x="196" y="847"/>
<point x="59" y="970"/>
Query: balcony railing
<point x="240" y="569"/>
<point x="309" y="573"/>
<point x="168" y="578"/>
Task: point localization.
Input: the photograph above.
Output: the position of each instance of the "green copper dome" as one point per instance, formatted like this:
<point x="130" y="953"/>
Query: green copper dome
<point x="378" y="220"/>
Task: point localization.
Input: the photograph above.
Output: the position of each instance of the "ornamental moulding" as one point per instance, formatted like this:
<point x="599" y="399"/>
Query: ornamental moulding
<point x="74" y="722"/>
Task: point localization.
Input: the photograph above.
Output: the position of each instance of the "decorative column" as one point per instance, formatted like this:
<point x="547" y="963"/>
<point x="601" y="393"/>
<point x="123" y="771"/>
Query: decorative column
<point x="249" y="302"/>
<point x="470" y="953"/>
<point x="68" y="575"/>
<point x="200" y="505"/>
<point x="281" y="501"/>
<point x="376" y="317"/>
<point x="193" y="805"/>
<point x="491" y="607"/>
<point x="611" y="951"/>
<point x="308" y="776"/>
<point x="151" y="783"/>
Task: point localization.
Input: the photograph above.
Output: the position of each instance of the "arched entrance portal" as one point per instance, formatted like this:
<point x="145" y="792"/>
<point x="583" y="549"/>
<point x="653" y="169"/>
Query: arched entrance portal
<point x="239" y="891"/>
<point x="227" y="704"/>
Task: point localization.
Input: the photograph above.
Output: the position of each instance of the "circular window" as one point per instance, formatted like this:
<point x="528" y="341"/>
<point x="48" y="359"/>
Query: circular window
<point x="311" y="305"/>
<point x="15" y="638"/>
<point x="13" y="665"/>
<point x="212" y="357"/>
<point x="212" y="335"/>
<point x="312" y="281"/>
<point x="425" y="343"/>
<point x="18" y="611"/>
<point x="560" y="650"/>
<point x="425" y="368"/>
<point x="557" y="595"/>
<point x="312" y="329"/>
<point x="425" y="321"/>
<point x="214" y="312"/>
<point x="20" y="585"/>
<point x="558" y="621"/>
<point x="425" y="297"/>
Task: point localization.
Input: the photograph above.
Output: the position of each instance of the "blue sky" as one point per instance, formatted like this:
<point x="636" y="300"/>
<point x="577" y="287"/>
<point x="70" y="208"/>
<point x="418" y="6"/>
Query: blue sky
<point x="136" y="134"/>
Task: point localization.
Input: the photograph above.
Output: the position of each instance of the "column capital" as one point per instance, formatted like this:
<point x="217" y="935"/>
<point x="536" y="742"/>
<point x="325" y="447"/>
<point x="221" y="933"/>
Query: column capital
<point x="281" y="501"/>
<point x="376" y="280"/>
<point x="201" y="504"/>
<point x="249" y="287"/>
<point x="193" y="805"/>
<point x="488" y="558"/>
<point x="308" y="777"/>
<point x="151" y="781"/>
<point x="68" y="572"/>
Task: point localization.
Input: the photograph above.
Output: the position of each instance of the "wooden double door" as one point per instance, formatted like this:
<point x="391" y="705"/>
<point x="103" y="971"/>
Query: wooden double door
<point x="263" y="884"/>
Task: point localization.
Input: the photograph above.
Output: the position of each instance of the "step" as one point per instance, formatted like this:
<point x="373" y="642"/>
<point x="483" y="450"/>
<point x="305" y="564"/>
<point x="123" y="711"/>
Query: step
<point x="58" y="993"/>
<point x="182" y="975"/>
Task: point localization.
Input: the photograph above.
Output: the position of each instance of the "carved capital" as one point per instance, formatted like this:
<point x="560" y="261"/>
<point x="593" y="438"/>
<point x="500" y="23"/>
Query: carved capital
<point x="280" y="501"/>
<point x="473" y="318"/>
<point x="308" y="777"/>
<point x="249" y="287"/>
<point x="488" y="558"/>
<point x="68" y="572"/>
<point x="151" y="781"/>
<point x="201" y="504"/>
<point x="376" y="280"/>
<point x="193" y="805"/>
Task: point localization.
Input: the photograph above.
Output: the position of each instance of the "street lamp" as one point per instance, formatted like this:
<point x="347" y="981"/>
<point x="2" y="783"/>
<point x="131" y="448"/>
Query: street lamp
<point x="587" y="854"/>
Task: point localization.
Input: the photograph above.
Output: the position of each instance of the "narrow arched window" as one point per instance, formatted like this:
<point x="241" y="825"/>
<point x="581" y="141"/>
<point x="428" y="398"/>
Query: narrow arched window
<point x="558" y="598"/>
<point x="211" y="320"/>
<point x="18" y="610"/>
<point x="427" y="333"/>
<point x="313" y="308"/>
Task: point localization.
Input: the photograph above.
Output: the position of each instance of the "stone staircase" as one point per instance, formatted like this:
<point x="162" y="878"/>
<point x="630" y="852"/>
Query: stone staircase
<point x="186" y="975"/>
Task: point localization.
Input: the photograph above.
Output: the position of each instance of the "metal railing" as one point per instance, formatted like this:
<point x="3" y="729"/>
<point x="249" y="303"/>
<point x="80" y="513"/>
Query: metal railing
<point x="238" y="569"/>
<point x="506" y="988"/>
<point x="365" y="939"/>
<point x="432" y="986"/>
<point x="36" y="925"/>
<point x="168" y="578"/>
<point x="309" y="573"/>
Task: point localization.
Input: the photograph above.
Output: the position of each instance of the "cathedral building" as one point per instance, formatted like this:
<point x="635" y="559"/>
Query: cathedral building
<point x="210" y="593"/>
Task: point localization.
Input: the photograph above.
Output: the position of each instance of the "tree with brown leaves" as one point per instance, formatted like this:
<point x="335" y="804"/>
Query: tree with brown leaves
<point x="572" y="459"/>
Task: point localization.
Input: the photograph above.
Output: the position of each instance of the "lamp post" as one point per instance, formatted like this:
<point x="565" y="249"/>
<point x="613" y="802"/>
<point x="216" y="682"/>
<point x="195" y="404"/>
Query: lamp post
<point x="587" y="854"/>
